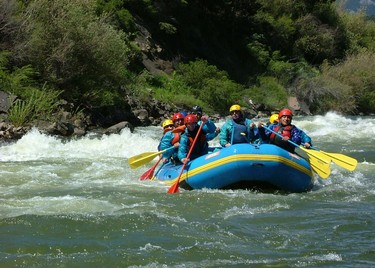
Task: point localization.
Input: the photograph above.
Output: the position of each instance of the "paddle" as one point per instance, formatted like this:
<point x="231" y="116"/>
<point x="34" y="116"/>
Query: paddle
<point x="143" y="158"/>
<point x="174" y="188"/>
<point x="344" y="161"/>
<point x="322" y="169"/>
<point x="318" y="161"/>
<point x="149" y="173"/>
<point x="156" y="173"/>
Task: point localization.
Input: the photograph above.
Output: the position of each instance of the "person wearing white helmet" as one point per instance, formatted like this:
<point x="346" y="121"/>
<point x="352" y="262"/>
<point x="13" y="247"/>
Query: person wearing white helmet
<point x="237" y="129"/>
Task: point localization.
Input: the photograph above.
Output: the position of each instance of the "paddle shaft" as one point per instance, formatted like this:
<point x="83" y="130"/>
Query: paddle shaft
<point x="174" y="187"/>
<point x="321" y="157"/>
<point x="318" y="161"/>
<point x="149" y="173"/>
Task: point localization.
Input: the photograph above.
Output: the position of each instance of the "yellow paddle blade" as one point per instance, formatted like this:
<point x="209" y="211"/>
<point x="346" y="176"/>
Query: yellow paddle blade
<point x="144" y="158"/>
<point x="322" y="169"/>
<point x="341" y="160"/>
<point x="141" y="159"/>
<point x="316" y="154"/>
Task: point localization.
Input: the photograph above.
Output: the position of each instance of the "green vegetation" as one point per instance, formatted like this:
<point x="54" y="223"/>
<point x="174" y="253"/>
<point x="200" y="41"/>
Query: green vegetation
<point x="89" y="54"/>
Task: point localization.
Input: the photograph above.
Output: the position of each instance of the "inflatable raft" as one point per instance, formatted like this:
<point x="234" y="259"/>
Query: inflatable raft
<point x="263" y="167"/>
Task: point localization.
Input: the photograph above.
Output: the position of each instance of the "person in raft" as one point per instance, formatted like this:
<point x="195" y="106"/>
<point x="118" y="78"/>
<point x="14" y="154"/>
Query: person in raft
<point x="273" y="120"/>
<point x="187" y="139"/>
<point x="209" y="127"/>
<point x="171" y="137"/>
<point x="289" y="132"/>
<point x="237" y="129"/>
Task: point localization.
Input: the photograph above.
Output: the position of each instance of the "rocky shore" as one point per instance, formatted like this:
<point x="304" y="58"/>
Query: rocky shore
<point x="110" y="119"/>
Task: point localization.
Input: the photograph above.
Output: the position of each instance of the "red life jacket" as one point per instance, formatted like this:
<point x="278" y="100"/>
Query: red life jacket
<point x="177" y="133"/>
<point x="284" y="131"/>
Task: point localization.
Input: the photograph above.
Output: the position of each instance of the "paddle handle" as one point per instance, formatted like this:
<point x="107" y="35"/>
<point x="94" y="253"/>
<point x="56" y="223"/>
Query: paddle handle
<point x="174" y="187"/>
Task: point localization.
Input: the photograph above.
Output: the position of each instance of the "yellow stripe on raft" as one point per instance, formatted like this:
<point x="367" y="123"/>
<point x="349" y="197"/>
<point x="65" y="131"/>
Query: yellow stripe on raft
<point x="242" y="157"/>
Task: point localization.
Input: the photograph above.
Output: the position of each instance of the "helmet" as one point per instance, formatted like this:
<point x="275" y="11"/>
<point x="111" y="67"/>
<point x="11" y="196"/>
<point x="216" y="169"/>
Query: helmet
<point x="235" y="107"/>
<point x="197" y="109"/>
<point x="191" y="118"/>
<point x="177" y="116"/>
<point x="167" y="122"/>
<point x="285" y="112"/>
<point x="274" y="118"/>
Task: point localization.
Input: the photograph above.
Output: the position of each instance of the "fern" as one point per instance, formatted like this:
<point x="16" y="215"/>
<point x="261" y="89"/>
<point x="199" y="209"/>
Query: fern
<point x="19" y="112"/>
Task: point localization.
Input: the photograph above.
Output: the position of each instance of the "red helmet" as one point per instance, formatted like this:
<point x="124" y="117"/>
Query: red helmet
<point x="177" y="116"/>
<point x="191" y="118"/>
<point x="285" y="112"/>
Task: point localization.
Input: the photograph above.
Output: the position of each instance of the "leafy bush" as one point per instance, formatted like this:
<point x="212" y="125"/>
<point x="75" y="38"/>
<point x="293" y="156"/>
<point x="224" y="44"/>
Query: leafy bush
<point x="34" y="103"/>
<point x="39" y="105"/>
<point x="357" y="74"/>
<point x="360" y="31"/>
<point x="74" y="49"/>
<point x="19" y="112"/>
<point x="210" y="85"/>
<point x="270" y="93"/>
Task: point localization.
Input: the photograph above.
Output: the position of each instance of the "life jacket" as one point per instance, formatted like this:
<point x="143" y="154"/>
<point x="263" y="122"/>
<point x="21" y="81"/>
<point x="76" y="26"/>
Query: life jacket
<point x="285" y="132"/>
<point x="237" y="130"/>
<point x="176" y="138"/>
<point x="201" y="145"/>
<point x="177" y="134"/>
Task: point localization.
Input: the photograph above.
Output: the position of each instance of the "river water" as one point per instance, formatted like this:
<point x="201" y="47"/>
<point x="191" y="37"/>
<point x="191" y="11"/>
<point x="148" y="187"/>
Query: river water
<point x="77" y="203"/>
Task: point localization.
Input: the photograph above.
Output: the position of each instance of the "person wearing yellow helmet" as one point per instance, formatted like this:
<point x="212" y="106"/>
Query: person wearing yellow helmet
<point x="172" y="138"/>
<point x="167" y="125"/>
<point x="274" y="119"/>
<point x="237" y="129"/>
<point x="235" y="107"/>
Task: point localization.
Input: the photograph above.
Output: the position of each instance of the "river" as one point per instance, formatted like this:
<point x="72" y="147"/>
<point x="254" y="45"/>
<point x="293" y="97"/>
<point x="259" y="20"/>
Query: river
<point x="77" y="203"/>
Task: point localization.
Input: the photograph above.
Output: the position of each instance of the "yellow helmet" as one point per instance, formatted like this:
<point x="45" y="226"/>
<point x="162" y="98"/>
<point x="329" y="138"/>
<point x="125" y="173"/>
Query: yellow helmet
<point x="167" y="122"/>
<point x="274" y="118"/>
<point x="235" y="107"/>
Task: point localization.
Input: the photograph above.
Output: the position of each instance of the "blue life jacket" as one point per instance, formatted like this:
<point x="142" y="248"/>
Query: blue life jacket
<point x="236" y="133"/>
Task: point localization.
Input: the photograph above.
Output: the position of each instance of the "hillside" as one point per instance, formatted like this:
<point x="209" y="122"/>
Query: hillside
<point x="108" y="61"/>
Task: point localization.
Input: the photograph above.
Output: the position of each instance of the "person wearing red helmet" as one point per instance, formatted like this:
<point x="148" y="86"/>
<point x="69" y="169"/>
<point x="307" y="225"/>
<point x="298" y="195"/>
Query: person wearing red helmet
<point x="288" y="131"/>
<point x="172" y="138"/>
<point x="178" y="119"/>
<point x="191" y="131"/>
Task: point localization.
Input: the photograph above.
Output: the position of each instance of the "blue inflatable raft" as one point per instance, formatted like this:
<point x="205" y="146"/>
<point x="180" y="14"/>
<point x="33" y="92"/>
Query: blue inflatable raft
<point x="263" y="167"/>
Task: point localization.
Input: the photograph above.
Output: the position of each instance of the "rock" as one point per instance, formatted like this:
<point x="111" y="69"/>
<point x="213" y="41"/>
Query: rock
<point x="6" y="101"/>
<point x="298" y="107"/>
<point x="118" y="127"/>
<point x="79" y="132"/>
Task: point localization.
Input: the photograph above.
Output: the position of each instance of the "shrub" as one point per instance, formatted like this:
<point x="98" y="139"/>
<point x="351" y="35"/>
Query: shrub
<point x="357" y="74"/>
<point x="74" y="49"/>
<point x="269" y="92"/>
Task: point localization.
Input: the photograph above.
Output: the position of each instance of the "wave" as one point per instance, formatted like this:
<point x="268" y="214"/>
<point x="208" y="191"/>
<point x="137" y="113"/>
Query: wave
<point x="331" y="127"/>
